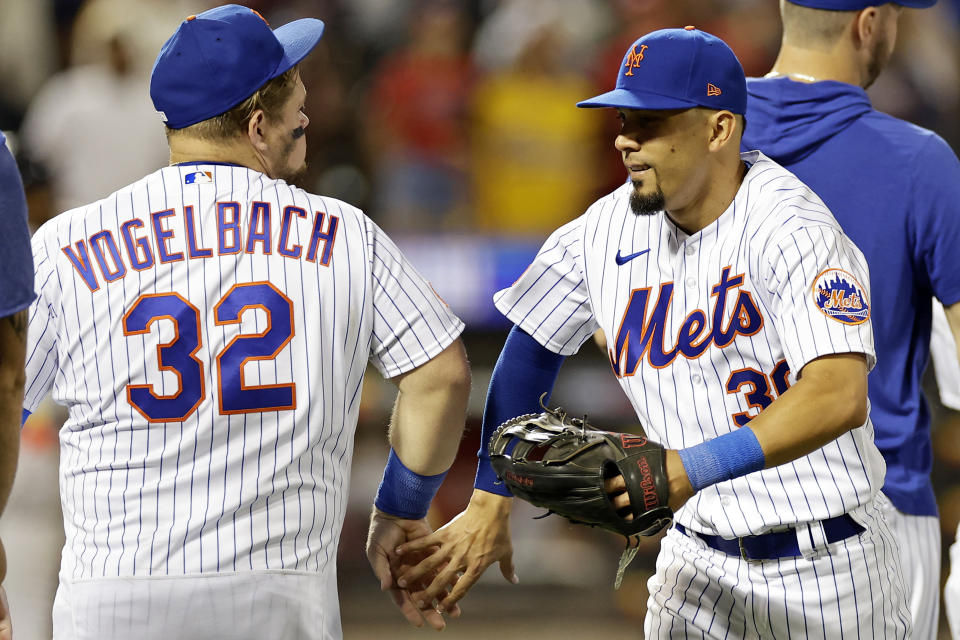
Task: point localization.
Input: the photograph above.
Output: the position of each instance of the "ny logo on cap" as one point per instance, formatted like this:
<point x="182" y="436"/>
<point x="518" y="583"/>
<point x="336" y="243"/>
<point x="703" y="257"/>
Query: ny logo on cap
<point x="634" y="58"/>
<point x="713" y="90"/>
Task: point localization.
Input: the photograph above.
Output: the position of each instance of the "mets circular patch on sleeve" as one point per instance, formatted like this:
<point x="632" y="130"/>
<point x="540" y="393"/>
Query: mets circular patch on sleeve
<point x="839" y="296"/>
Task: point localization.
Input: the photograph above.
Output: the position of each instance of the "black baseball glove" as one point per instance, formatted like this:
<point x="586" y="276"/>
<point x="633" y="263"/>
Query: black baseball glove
<point x="560" y="464"/>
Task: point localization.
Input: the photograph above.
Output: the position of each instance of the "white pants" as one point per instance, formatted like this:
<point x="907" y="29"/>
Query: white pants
<point x="918" y="538"/>
<point x="241" y="606"/>
<point x="854" y="589"/>
<point x="951" y="591"/>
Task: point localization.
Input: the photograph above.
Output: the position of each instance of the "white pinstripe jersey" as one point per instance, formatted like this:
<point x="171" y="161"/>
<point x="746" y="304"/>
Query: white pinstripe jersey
<point x="705" y="330"/>
<point x="208" y="329"/>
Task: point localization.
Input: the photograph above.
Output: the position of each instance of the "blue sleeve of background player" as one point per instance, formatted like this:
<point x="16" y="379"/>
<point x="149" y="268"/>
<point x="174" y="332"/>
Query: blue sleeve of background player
<point x="936" y="234"/>
<point x="16" y="258"/>
<point x="524" y="371"/>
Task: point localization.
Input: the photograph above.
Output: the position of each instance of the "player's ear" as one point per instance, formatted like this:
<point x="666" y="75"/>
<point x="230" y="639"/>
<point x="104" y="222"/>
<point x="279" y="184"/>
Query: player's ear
<point x="724" y="130"/>
<point x="255" y="130"/>
<point x="865" y="27"/>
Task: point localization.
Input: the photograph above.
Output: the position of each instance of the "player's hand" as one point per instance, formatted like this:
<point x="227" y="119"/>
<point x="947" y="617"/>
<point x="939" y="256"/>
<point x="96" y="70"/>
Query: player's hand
<point x="616" y="488"/>
<point x="6" y="627"/>
<point x="386" y="532"/>
<point x="680" y="487"/>
<point x="460" y="551"/>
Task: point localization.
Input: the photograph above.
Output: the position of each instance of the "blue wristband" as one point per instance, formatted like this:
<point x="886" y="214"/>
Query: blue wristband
<point x="730" y="456"/>
<point x="406" y="494"/>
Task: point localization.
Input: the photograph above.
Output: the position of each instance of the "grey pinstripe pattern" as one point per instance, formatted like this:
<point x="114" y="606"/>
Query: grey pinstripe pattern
<point x="918" y="541"/>
<point x="214" y="492"/>
<point x="853" y="590"/>
<point x="951" y="590"/>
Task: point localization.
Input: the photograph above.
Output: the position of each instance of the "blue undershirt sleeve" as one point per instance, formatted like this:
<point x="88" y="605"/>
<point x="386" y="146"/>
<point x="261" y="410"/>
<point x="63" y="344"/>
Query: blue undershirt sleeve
<point x="524" y="371"/>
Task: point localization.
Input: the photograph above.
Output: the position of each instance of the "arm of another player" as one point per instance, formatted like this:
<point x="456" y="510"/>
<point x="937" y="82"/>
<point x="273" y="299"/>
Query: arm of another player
<point x="16" y="293"/>
<point x="13" y="345"/>
<point x="953" y="319"/>
<point x="945" y="352"/>
<point x="425" y="432"/>
<point x="829" y="399"/>
<point x="480" y="535"/>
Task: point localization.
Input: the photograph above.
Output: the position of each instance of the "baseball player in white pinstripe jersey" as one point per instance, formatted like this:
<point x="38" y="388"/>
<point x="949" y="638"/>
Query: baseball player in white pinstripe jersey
<point x="208" y="327"/>
<point x="737" y="318"/>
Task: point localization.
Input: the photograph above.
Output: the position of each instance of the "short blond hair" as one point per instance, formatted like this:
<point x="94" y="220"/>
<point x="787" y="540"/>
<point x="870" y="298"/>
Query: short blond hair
<point x="270" y="98"/>
<point x="813" y="28"/>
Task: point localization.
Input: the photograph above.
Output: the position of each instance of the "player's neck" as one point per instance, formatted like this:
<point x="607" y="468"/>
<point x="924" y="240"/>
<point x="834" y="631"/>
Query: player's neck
<point x="809" y="65"/>
<point x="716" y="198"/>
<point x="193" y="150"/>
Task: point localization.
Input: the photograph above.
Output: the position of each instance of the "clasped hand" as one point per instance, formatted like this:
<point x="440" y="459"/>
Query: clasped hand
<point x="427" y="573"/>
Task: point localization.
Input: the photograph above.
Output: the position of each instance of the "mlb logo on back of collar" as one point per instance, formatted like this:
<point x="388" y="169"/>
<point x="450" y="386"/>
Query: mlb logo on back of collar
<point x="198" y="177"/>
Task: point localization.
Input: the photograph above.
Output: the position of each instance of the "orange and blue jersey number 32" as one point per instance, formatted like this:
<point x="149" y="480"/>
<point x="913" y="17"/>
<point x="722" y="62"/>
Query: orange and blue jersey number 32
<point x="179" y="356"/>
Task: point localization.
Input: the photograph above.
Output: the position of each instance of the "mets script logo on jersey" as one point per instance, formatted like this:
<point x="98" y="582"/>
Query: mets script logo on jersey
<point x="841" y="297"/>
<point x="634" y="58"/>
<point x="642" y="334"/>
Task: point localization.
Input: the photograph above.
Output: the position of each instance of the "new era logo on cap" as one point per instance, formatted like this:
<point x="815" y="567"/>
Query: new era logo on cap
<point x="692" y="69"/>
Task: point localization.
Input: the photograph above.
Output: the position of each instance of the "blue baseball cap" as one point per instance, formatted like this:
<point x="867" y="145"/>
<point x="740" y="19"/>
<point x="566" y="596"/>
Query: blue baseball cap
<point x="677" y="69"/>
<point x="857" y="5"/>
<point x="219" y="58"/>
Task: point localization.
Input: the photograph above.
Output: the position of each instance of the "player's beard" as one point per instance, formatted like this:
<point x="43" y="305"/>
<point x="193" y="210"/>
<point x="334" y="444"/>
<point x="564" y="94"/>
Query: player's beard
<point x="291" y="175"/>
<point x="294" y="175"/>
<point x="879" y="56"/>
<point x="646" y="204"/>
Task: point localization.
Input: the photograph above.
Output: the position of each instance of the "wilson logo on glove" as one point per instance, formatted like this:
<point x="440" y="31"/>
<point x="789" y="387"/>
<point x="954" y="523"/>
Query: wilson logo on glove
<point x="650" y="498"/>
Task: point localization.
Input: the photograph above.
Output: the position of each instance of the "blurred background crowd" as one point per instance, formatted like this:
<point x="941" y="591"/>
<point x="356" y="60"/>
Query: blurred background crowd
<point x="452" y="124"/>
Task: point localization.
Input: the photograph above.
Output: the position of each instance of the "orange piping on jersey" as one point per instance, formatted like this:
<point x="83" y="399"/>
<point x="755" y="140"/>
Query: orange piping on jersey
<point x="80" y="260"/>
<point x="163" y="367"/>
<point x="746" y="320"/>
<point x="162" y="236"/>
<point x="96" y="240"/>
<point x="246" y="336"/>
<point x="282" y="249"/>
<point x="260" y="211"/>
